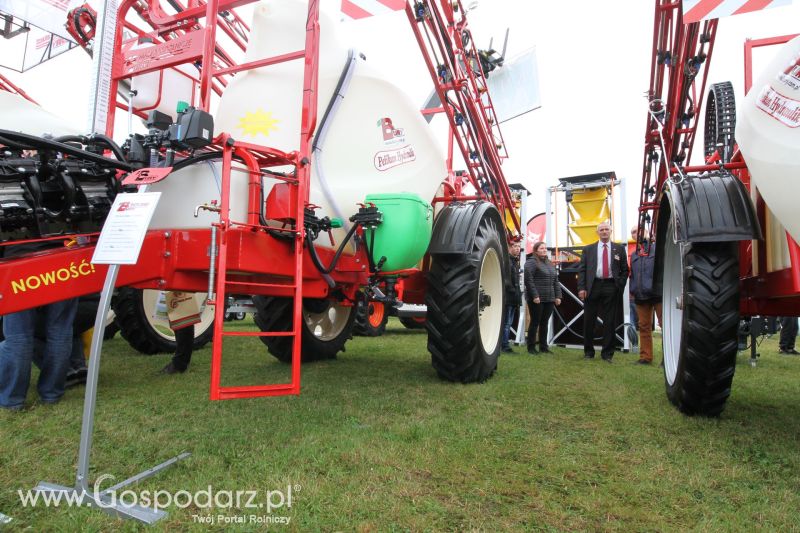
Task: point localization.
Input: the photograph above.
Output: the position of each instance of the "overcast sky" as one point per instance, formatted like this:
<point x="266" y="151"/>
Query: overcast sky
<point x="594" y="61"/>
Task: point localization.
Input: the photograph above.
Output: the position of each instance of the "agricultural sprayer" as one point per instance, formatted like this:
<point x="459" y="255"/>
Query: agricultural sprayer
<point x="316" y="183"/>
<point x="724" y="232"/>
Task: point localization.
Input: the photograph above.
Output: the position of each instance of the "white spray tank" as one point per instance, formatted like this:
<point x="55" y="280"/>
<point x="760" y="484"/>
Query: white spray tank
<point x="768" y="134"/>
<point x="371" y="139"/>
<point x="19" y="114"/>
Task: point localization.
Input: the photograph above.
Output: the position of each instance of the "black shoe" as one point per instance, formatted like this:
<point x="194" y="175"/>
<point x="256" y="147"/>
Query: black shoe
<point x="532" y="350"/>
<point x="588" y="356"/>
<point x="75" y="378"/>
<point x="607" y="359"/>
<point x="508" y="349"/>
<point x="171" y="369"/>
<point x="544" y="350"/>
<point x="788" y="351"/>
<point x="643" y="362"/>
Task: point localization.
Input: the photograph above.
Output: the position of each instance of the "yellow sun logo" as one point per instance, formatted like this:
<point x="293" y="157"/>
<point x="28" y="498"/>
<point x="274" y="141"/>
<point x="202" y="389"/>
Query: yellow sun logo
<point x="259" y="122"/>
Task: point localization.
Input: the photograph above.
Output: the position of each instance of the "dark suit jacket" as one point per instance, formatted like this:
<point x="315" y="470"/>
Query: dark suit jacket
<point x="588" y="266"/>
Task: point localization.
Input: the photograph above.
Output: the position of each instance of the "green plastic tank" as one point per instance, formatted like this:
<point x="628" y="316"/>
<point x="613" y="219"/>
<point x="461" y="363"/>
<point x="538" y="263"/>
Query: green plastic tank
<point x="405" y="232"/>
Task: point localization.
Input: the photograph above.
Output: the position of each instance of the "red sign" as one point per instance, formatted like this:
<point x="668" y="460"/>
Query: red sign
<point x="145" y="176"/>
<point x="537" y="229"/>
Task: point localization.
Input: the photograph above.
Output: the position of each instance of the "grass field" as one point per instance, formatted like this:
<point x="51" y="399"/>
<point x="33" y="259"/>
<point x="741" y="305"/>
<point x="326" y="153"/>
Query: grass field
<point x="376" y="442"/>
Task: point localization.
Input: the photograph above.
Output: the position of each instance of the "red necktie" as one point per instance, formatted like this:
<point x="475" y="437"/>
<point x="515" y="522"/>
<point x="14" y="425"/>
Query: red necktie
<point x="605" y="261"/>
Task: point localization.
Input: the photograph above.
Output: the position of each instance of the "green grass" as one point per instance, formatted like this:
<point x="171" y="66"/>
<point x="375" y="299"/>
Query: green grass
<point x="377" y="443"/>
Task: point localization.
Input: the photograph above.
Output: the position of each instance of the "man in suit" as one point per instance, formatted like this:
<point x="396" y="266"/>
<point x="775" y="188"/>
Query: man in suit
<point x="602" y="276"/>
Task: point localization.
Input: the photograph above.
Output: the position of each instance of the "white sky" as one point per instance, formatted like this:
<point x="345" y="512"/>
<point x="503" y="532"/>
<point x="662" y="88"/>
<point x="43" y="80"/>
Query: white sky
<point x="594" y="64"/>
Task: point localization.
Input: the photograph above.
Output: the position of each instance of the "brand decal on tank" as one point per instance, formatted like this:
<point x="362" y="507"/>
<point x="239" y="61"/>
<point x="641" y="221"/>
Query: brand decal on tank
<point x="784" y="110"/>
<point x="394" y="158"/>
<point x="391" y="134"/>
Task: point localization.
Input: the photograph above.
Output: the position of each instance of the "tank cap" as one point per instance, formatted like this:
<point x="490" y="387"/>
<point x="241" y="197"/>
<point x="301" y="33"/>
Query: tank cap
<point x="336" y="223"/>
<point x="182" y="106"/>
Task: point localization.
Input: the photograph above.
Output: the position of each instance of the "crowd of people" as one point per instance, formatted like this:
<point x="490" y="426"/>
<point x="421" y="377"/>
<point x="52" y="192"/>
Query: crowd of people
<point x="605" y="269"/>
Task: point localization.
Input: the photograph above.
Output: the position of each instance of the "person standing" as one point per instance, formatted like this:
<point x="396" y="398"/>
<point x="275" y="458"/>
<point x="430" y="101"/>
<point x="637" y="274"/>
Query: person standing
<point x="788" y="335"/>
<point x="183" y="314"/>
<point x="634" y="320"/>
<point x="602" y="275"/>
<point x="542" y="293"/>
<point x="513" y="294"/>
<point x="647" y="301"/>
<point x="17" y="350"/>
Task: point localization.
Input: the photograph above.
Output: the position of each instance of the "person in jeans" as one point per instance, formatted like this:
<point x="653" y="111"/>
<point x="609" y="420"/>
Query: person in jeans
<point x="17" y="350"/>
<point x="513" y="294"/>
<point x="647" y="301"/>
<point x="542" y="293"/>
<point x="19" y="341"/>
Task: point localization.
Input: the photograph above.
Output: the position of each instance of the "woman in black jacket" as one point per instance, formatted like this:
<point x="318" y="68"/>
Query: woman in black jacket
<point x="542" y="293"/>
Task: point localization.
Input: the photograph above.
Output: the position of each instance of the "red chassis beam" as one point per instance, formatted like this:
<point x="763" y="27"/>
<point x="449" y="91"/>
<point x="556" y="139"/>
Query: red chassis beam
<point x="172" y="259"/>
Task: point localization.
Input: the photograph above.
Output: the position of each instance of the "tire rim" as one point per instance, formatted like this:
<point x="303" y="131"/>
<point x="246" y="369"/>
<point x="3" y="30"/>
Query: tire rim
<point x="490" y="300"/>
<point x="673" y="306"/>
<point x="375" y="314"/>
<point x="328" y="324"/>
<point x="155" y="311"/>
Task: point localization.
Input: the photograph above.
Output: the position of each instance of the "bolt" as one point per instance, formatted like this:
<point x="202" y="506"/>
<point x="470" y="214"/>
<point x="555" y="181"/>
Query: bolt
<point x="167" y="254"/>
<point x="679" y="303"/>
<point x="484" y="300"/>
<point x="167" y="234"/>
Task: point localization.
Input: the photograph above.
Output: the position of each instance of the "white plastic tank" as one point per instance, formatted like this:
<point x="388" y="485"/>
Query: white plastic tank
<point x="163" y="89"/>
<point x="375" y="141"/>
<point x="768" y="133"/>
<point x="19" y="114"/>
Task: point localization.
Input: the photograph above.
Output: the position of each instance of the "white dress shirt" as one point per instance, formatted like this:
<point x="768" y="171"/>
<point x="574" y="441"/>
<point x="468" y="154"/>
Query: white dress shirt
<point x="599" y="272"/>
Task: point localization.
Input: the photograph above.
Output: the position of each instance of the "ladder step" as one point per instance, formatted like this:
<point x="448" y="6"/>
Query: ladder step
<point x="267" y="285"/>
<point x="251" y="391"/>
<point x="258" y="333"/>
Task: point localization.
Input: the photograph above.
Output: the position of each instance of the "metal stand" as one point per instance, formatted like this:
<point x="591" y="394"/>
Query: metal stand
<point x="106" y="499"/>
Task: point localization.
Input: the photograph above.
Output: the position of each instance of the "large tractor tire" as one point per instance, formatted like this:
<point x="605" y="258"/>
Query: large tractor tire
<point x="371" y="319"/>
<point x="327" y="325"/>
<point x="701" y="317"/>
<point x="413" y="322"/>
<point x="147" y="330"/>
<point x="465" y="307"/>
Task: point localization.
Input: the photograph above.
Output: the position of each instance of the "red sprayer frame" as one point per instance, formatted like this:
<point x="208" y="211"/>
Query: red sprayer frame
<point x="681" y="57"/>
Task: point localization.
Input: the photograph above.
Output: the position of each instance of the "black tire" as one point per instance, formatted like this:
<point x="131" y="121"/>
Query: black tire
<point x="275" y="314"/>
<point x="460" y="351"/>
<point x="700" y="342"/>
<point x="371" y="319"/>
<point x="413" y="323"/>
<point x="136" y="328"/>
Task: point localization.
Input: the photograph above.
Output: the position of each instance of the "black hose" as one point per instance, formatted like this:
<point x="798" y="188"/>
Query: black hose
<point x="23" y="140"/>
<point x="108" y="141"/>
<point x="317" y="263"/>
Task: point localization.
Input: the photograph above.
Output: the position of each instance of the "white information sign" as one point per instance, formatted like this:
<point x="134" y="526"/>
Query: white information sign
<point x="123" y="231"/>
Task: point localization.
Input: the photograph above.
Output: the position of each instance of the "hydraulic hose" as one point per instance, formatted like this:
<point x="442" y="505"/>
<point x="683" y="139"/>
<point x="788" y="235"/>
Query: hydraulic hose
<point x="25" y="141"/>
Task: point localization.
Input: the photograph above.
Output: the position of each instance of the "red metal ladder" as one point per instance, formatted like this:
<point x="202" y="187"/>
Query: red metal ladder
<point x="301" y="160"/>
